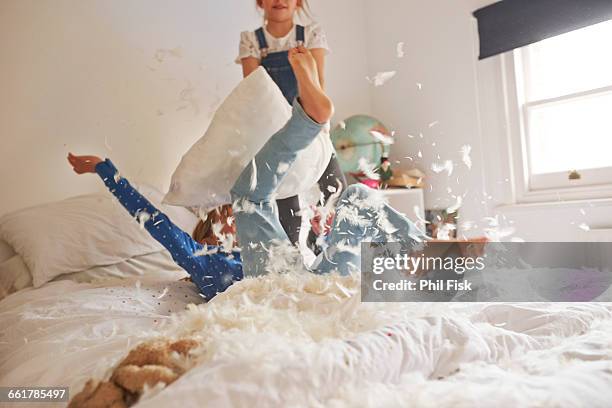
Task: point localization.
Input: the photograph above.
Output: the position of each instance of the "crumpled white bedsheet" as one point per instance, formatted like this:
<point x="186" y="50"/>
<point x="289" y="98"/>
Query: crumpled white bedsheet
<point x="304" y="340"/>
<point x="66" y="332"/>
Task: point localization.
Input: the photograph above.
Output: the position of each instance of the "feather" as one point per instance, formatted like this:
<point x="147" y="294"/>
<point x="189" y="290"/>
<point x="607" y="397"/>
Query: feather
<point x="465" y="155"/>
<point x="384" y="139"/>
<point x="253" y="175"/>
<point x="381" y="78"/>
<point x="447" y="166"/>
<point x="400" y="50"/>
<point x="368" y="169"/>
<point x="164" y="293"/>
<point x="143" y="217"/>
<point x="444" y="231"/>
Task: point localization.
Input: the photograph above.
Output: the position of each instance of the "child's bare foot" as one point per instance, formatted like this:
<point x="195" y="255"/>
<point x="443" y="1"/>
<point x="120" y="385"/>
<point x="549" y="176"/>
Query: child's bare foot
<point x="312" y="97"/>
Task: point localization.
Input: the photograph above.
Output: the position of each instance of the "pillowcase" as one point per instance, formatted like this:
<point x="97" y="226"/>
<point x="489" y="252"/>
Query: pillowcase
<point x="14" y="276"/>
<point x="80" y="233"/>
<point x="6" y="252"/>
<point x="250" y="115"/>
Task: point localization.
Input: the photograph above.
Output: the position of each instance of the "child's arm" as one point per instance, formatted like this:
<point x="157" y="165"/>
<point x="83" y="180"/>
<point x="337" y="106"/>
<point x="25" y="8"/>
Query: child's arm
<point x="247" y="54"/>
<point x="249" y="65"/>
<point x="180" y="244"/>
<point x="212" y="273"/>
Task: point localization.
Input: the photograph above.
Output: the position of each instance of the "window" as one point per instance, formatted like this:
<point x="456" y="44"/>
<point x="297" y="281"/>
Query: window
<point x="564" y="89"/>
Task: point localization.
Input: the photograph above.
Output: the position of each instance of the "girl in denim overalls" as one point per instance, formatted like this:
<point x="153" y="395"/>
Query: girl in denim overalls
<point x="268" y="46"/>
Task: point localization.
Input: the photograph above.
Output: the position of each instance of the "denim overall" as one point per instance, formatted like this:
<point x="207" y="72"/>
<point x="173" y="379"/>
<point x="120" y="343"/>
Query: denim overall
<point x="278" y="67"/>
<point x="277" y="64"/>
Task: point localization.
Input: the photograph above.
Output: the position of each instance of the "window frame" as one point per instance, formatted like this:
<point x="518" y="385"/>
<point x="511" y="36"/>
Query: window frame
<point x="548" y="187"/>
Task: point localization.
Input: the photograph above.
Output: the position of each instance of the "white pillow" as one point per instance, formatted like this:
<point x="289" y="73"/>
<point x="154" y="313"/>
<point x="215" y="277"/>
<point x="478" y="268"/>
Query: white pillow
<point x="250" y="115"/>
<point x="6" y="252"/>
<point x="79" y="233"/>
<point x="14" y="276"/>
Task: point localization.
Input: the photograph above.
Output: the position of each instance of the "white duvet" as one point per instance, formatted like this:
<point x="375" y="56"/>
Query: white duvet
<point x="303" y="340"/>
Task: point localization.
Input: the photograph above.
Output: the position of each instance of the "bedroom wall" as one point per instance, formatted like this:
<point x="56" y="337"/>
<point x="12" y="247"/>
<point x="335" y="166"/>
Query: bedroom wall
<point x="136" y="81"/>
<point x="433" y="94"/>
<point x="459" y="103"/>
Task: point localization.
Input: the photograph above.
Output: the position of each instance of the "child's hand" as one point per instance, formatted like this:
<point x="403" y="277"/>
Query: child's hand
<point x="83" y="164"/>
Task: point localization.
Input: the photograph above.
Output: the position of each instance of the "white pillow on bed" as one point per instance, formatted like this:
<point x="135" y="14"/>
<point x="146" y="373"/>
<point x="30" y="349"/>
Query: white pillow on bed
<point x="14" y="276"/>
<point x="81" y="233"/>
<point x="250" y="115"/>
<point x="6" y="251"/>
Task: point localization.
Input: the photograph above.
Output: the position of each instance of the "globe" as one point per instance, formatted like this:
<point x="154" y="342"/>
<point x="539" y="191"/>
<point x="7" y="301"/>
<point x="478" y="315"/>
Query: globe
<point x="353" y="140"/>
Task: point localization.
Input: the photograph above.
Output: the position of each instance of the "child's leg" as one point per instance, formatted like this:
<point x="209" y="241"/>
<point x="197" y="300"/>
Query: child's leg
<point x="254" y="208"/>
<point x="361" y="216"/>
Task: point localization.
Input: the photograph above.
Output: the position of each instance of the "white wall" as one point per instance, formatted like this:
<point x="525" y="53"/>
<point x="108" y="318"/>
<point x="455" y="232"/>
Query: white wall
<point x="465" y="98"/>
<point x="440" y="55"/>
<point x="345" y="24"/>
<point x="133" y="80"/>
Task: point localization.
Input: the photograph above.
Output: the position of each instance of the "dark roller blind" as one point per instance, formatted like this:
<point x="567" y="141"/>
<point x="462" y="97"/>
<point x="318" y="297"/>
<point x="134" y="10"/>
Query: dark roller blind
<point x="510" y="24"/>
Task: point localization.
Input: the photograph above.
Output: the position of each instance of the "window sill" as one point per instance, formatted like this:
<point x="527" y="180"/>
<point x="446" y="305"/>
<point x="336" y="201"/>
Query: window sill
<point x="558" y="204"/>
<point x="565" y="195"/>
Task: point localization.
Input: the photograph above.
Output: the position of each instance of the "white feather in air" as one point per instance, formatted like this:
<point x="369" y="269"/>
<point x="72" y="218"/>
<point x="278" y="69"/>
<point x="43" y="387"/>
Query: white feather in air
<point x="384" y="139"/>
<point x="253" y="175"/>
<point x="368" y="169"/>
<point x="465" y="155"/>
<point x="400" y="50"/>
<point x="143" y="217"/>
<point x="381" y="78"/>
<point x="447" y="166"/>
<point x="445" y="230"/>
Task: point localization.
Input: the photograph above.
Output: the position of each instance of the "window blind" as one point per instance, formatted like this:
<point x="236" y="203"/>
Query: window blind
<point x="510" y="24"/>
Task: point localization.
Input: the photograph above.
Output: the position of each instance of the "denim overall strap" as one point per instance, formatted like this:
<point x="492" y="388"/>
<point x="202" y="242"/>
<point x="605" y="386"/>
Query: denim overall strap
<point x="261" y="39"/>
<point x="299" y="35"/>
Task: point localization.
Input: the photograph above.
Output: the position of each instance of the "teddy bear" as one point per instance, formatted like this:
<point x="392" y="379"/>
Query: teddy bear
<point x="150" y="363"/>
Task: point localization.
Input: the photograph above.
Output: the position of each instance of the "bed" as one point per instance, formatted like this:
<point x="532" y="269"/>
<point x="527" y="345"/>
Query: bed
<point x="295" y="339"/>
